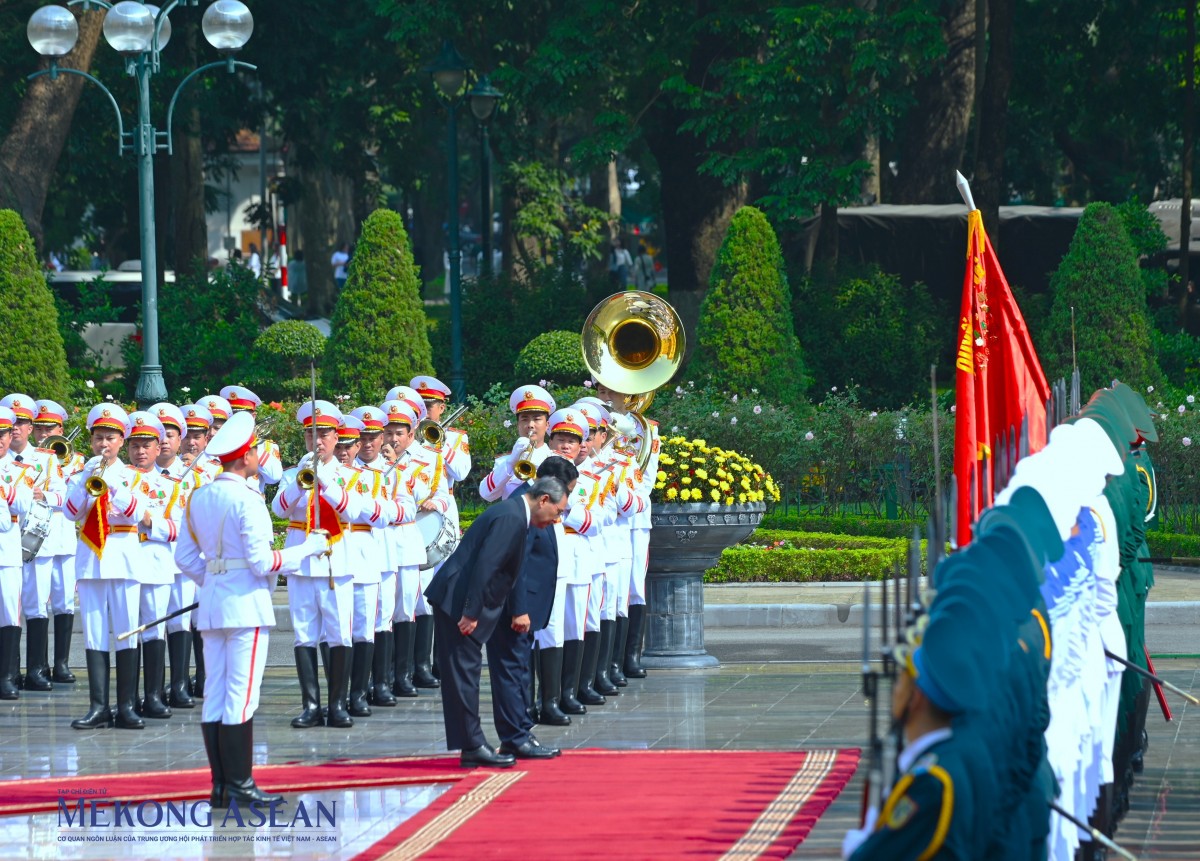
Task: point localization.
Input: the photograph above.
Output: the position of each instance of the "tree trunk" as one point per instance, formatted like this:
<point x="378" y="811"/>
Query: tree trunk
<point x="988" y="188"/>
<point x="326" y="220"/>
<point x="30" y="150"/>
<point x="187" y="175"/>
<point x="931" y="146"/>
<point x="1189" y="144"/>
<point x="697" y="209"/>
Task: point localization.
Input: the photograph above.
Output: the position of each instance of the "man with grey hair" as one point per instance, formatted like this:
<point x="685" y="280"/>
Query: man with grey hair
<point x="468" y="595"/>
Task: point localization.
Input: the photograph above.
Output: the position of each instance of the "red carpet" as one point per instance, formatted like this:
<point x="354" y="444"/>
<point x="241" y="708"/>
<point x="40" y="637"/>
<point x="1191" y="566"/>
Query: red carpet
<point x="585" y="804"/>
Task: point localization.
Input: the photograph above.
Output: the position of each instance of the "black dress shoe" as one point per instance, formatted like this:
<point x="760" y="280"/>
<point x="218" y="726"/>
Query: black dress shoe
<point x="531" y="748"/>
<point x="485" y="756"/>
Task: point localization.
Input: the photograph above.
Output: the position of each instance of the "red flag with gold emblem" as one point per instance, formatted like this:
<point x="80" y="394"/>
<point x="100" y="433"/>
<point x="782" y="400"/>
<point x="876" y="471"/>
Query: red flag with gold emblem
<point x="1000" y="389"/>
<point x="94" y="531"/>
<point x="329" y="520"/>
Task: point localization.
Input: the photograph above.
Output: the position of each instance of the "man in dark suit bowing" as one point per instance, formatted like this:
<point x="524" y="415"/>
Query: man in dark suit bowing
<point x="510" y="647"/>
<point x="468" y="595"/>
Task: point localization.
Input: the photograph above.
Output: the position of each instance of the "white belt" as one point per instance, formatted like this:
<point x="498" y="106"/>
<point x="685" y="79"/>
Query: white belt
<point x="220" y="566"/>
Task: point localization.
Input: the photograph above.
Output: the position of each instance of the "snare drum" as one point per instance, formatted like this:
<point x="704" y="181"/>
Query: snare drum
<point x="37" y="528"/>
<point x="439" y="534"/>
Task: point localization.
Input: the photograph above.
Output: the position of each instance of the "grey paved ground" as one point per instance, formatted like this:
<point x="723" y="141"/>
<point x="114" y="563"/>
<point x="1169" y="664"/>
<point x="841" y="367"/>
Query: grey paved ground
<point x="776" y="690"/>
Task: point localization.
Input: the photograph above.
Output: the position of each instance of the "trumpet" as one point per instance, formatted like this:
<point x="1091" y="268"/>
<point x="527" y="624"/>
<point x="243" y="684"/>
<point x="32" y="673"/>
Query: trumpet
<point x="434" y="433"/>
<point x="97" y="486"/>
<point x="306" y="476"/>
<point x="524" y="468"/>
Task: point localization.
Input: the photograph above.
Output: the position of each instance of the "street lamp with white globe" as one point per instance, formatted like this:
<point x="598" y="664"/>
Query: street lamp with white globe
<point x="140" y="31"/>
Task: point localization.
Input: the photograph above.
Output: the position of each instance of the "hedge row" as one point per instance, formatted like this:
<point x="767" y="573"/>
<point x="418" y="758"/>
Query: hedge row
<point x="753" y="565"/>
<point x="805" y="540"/>
<point x="843" y="525"/>
<point x="1173" y="544"/>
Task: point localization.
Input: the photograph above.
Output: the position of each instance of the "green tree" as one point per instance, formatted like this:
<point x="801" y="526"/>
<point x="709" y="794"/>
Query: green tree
<point x="746" y="338"/>
<point x="281" y="359"/>
<point x="31" y="351"/>
<point x="378" y="337"/>
<point x="1099" y="278"/>
<point x="556" y="357"/>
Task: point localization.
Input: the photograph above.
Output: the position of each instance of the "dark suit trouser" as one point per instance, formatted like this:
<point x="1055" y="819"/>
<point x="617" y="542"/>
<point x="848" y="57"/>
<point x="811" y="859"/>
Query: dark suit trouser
<point x="460" y="662"/>
<point x="508" y="656"/>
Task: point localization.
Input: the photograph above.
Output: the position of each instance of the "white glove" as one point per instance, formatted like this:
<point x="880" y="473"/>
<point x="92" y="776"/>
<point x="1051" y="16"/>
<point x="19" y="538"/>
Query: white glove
<point x="520" y="445"/>
<point x="855" y="837"/>
<point x="316" y="544"/>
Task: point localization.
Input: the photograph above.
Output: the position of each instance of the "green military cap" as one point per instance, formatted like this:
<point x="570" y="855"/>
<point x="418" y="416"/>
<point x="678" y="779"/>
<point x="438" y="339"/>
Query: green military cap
<point x="1033" y="520"/>
<point x="1138" y="411"/>
<point x="1014" y="570"/>
<point x="1113" y="417"/>
<point x="963" y="644"/>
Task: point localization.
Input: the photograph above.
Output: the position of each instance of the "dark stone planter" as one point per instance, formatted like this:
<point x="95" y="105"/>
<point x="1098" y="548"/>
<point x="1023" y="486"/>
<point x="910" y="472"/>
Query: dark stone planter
<point x="685" y="541"/>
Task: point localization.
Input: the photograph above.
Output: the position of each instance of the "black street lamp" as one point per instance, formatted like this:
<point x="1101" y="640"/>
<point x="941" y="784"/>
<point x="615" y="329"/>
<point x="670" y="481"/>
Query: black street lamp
<point x="484" y="98"/>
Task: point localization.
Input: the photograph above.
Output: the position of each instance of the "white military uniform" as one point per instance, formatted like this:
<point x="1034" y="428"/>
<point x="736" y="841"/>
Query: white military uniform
<point x="183" y="589"/>
<point x="381" y="487"/>
<point x="157" y="571"/>
<point x="225" y="547"/>
<point x="17" y="500"/>
<point x="415" y="475"/>
<point x="39" y="470"/>
<point x="640" y="524"/>
<point x="58" y="552"/>
<point x="500" y="483"/>
<point x="270" y="464"/>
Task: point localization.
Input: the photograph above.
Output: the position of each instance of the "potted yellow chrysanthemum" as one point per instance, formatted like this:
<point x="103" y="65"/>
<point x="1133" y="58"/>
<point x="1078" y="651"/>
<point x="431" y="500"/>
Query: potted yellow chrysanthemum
<point x="705" y="499"/>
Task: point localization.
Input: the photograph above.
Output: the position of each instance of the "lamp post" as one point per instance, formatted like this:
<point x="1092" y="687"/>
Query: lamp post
<point x="140" y="32"/>
<point x="449" y="73"/>
<point x="483" y="98"/>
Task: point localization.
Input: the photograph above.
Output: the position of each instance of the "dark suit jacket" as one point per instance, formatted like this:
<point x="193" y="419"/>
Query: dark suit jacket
<point x="477" y="578"/>
<point x="533" y="593"/>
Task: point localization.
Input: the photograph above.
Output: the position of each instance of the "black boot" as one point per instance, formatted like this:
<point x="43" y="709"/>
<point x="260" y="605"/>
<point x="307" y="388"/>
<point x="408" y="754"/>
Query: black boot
<point x="155" y="657"/>
<point x="588" y="695"/>
<point x="404" y="635"/>
<point x="198" y="679"/>
<point x="572" y="664"/>
<point x="64" y="625"/>
<point x="10" y="658"/>
<point x="339" y="686"/>
<point x="324" y="647"/>
<point x="37" y="633"/>
<point x="550" y="668"/>
<point x="423" y="655"/>
<point x="360" y="673"/>
<point x="600" y="682"/>
<point x="212" y="746"/>
<point x="236" y="745"/>
<point x="179" y="647"/>
<point x="127" y="677"/>
<point x="99" y="714"/>
<point x="633" y="643"/>
<point x="310" y="689"/>
<point x="381" y="659"/>
<point x="616" y="674"/>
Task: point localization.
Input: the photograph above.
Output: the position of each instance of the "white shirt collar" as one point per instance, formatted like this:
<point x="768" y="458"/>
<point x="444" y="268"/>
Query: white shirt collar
<point x="912" y="752"/>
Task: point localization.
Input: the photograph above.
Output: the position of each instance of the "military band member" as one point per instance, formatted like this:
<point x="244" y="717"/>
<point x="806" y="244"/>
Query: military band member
<point x="270" y="465"/>
<point x="202" y="469"/>
<point x="367" y="558"/>
<point x="453" y="457"/>
<point x="219" y="408"/>
<point x="183" y="589"/>
<point x="640" y="525"/>
<point x="532" y="406"/>
<point x="49" y="421"/>
<point x="321" y="592"/>
<point x="225" y="546"/>
<point x="378" y="474"/>
<point x="39" y="471"/>
<point x="582" y="522"/>
<point x="158" y="532"/>
<point x="17" y="499"/>
<point x="415" y="474"/>
<point x="102" y="499"/>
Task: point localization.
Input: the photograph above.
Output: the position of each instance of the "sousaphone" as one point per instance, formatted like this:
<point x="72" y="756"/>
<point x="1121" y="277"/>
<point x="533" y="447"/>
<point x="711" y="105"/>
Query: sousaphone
<point x="633" y="342"/>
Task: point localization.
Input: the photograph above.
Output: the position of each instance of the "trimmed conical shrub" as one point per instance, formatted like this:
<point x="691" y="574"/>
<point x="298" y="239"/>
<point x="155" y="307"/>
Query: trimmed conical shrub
<point x="1099" y="277"/>
<point x="746" y="338"/>
<point x="378" y="336"/>
<point x="32" y="358"/>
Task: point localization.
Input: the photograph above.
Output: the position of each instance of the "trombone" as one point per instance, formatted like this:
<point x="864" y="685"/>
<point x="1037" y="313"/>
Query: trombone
<point x="433" y="434"/>
<point x="62" y="446"/>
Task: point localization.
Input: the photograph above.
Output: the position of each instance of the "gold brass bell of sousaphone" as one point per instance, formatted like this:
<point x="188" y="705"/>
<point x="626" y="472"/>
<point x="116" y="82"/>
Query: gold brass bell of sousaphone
<point x="633" y="342"/>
